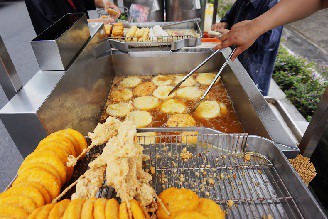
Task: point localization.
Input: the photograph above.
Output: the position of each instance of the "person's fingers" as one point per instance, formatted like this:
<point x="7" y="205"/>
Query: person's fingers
<point x="213" y="27"/>
<point x="238" y="51"/>
<point x="224" y="37"/>
<point x="224" y="31"/>
<point x="218" y="46"/>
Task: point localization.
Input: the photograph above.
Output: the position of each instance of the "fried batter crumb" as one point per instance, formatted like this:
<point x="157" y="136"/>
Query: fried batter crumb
<point x="152" y="170"/>
<point x="185" y="154"/>
<point x="230" y="203"/>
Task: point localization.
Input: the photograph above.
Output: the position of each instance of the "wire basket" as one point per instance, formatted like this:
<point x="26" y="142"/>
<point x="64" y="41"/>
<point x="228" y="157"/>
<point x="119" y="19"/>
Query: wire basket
<point x="246" y="185"/>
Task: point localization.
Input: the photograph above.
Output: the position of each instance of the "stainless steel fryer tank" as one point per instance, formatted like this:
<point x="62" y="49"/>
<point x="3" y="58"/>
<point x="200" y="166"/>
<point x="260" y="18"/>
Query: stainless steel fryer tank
<point x="75" y="98"/>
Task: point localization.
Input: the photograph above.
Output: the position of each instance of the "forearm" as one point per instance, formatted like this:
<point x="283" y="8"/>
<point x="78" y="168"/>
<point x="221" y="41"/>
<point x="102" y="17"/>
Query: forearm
<point x="287" y="11"/>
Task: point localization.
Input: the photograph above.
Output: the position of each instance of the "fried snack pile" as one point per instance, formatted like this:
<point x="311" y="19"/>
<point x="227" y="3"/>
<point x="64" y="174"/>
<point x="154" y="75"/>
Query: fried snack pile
<point x="121" y="161"/>
<point x="42" y="174"/>
<point x="184" y="204"/>
<point x="89" y="208"/>
<point x="117" y="30"/>
<point x="304" y="168"/>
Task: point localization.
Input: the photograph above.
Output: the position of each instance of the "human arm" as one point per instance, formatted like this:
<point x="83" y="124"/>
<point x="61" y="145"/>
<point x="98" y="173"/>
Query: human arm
<point x="244" y="34"/>
<point x="106" y="4"/>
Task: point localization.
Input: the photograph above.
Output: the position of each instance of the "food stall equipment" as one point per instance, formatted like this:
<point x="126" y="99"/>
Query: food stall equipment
<point x="53" y="100"/>
<point x="156" y="13"/>
<point x="183" y="10"/>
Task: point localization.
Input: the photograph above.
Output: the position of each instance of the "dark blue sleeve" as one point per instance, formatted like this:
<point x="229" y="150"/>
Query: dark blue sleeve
<point x="229" y="16"/>
<point x="90" y="5"/>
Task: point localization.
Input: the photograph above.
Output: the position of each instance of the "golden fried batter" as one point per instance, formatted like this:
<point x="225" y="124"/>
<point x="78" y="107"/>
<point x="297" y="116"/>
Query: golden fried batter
<point x="121" y="95"/>
<point x="190" y="215"/>
<point x="27" y="191"/>
<point x="189" y="93"/>
<point x="59" y="209"/>
<point x="208" y="109"/>
<point x="162" y="80"/>
<point x="144" y="89"/>
<point x="181" y="120"/>
<point x="145" y="102"/>
<point x="173" y="106"/>
<point x="210" y="209"/>
<point x="23" y="202"/>
<point x="112" y="209"/>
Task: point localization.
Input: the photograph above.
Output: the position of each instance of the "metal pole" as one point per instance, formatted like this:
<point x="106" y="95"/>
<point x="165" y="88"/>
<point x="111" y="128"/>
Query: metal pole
<point x="316" y="128"/>
<point x="9" y="78"/>
<point x="216" y="4"/>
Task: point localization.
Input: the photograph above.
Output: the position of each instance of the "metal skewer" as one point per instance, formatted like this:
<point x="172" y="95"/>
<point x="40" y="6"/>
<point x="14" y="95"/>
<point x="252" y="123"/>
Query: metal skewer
<point x="215" y="79"/>
<point x="193" y="71"/>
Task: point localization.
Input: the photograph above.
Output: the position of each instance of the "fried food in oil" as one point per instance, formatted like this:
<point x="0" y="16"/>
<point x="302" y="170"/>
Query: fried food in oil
<point x="59" y="209"/>
<point x="176" y="201"/>
<point x="162" y="92"/>
<point x="187" y="83"/>
<point x="119" y="109"/>
<point x="130" y="82"/>
<point x="162" y="80"/>
<point x="205" y="78"/>
<point x="145" y="102"/>
<point x="87" y="209"/>
<point x="50" y="182"/>
<point x="181" y="120"/>
<point x="173" y="106"/>
<point x="12" y="212"/>
<point x="189" y="93"/>
<point x="210" y="209"/>
<point x="140" y="118"/>
<point x="208" y="109"/>
<point x="22" y="202"/>
<point x="112" y="209"/>
<point x="74" y="209"/>
<point x="144" y="89"/>
<point x="131" y="32"/>
<point x="121" y="95"/>
<point x="28" y="191"/>
<point x="190" y="215"/>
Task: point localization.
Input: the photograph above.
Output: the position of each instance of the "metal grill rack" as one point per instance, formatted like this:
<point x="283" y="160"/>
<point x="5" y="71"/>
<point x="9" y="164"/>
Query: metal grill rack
<point x="219" y="169"/>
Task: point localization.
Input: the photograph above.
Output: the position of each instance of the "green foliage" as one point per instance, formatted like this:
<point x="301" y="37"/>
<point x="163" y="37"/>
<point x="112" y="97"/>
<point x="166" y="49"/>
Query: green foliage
<point x="294" y="76"/>
<point x="223" y="6"/>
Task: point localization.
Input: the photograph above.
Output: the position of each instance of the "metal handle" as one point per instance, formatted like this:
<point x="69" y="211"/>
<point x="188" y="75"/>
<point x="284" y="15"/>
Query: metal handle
<point x="193" y="71"/>
<point x="9" y="78"/>
<point x="181" y="22"/>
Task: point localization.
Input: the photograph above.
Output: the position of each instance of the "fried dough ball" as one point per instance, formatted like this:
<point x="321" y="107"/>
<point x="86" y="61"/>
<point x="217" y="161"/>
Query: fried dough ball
<point x="140" y="118"/>
<point x="45" y="210"/>
<point x="59" y="209"/>
<point x="145" y="102"/>
<point x="38" y="175"/>
<point x="162" y="80"/>
<point x="144" y="89"/>
<point x="205" y="78"/>
<point x="176" y="200"/>
<point x="99" y="208"/>
<point x="137" y="212"/>
<point x="181" y="120"/>
<point x="112" y="209"/>
<point x="119" y="109"/>
<point x="190" y="93"/>
<point x="87" y="208"/>
<point x="147" y="137"/>
<point x="189" y="137"/>
<point x="187" y="83"/>
<point x="13" y="212"/>
<point x="173" y="106"/>
<point x="190" y="215"/>
<point x="131" y="82"/>
<point x="74" y="209"/>
<point x="210" y="209"/>
<point x="162" y="92"/>
<point x="208" y="109"/>
<point x="121" y="95"/>
<point x="27" y="191"/>
<point x="123" y="211"/>
<point x="22" y="202"/>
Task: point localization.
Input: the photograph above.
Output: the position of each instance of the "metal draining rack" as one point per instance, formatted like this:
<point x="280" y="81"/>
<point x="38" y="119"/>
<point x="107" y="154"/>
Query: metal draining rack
<point x="219" y="169"/>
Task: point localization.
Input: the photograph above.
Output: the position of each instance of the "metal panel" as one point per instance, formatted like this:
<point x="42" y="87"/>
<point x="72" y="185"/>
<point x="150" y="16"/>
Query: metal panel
<point x="57" y="46"/>
<point x="9" y="78"/>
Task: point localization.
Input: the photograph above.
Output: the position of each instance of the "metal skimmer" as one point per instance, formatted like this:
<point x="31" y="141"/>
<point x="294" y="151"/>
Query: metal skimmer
<point x="219" y="169"/>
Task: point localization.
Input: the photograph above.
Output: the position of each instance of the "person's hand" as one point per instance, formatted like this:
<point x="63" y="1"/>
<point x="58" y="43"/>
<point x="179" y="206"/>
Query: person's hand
<point x="107" y="20"/>
<point x="242" y="34"/>
<point x="106" y="4"/>
<point x="219" y="26"/>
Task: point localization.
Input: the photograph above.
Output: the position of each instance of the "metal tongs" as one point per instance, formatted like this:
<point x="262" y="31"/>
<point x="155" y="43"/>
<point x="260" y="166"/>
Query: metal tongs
<point x="213" y="82"/>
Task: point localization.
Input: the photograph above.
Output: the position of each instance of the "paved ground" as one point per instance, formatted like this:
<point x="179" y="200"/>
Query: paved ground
<point x="17" y="31"/>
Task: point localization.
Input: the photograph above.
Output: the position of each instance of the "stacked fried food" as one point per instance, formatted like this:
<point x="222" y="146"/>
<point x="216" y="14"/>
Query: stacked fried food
<point x="184" y="204"/>
<point x="89" y="208"/>
<point x="117" y="30"/>
<point x="42" y="174"/>
<point x="136" y="34"/>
